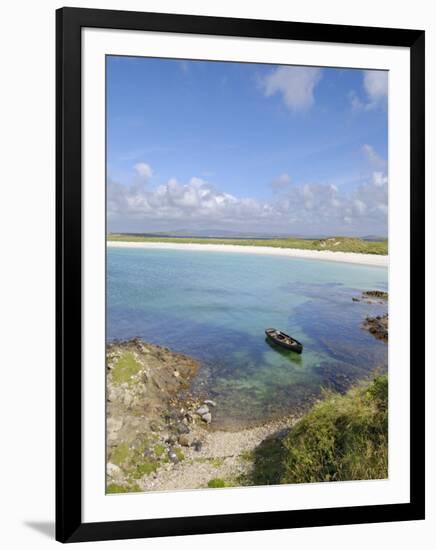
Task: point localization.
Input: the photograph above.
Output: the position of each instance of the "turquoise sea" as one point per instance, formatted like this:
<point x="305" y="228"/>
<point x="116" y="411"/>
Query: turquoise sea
<point x="215" y="307"/>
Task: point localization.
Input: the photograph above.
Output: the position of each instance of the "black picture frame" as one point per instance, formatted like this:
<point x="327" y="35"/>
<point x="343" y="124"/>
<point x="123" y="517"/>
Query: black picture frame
<point x="69" y="23"/>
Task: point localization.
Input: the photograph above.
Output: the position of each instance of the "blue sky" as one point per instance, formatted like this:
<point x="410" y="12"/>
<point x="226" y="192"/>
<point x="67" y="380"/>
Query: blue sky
<point x="237" y="147"/>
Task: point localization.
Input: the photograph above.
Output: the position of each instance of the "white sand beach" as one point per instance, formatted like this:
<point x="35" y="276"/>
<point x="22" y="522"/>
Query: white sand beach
<point x="348" y="257"/>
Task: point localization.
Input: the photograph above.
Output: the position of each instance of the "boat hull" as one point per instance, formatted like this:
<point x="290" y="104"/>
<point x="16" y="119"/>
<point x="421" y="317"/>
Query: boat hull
<point x="283" y="340"/>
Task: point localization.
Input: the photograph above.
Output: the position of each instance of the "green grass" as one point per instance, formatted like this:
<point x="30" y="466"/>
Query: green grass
<point x="133" y="462"/>
<point x="119" y="454"/>
<point x="126" y="367"/>
<point x="146" y="467"/>
<point x="268" y="460"/>
<point x="217" y="483"/>
<point x="342" y="438"/>
<point x="113" y="488"/>
<point x="339" y="244"/>
<point x="159" y="450"/>
<point x="247" y="456"/>
<point x="179" y="454"/>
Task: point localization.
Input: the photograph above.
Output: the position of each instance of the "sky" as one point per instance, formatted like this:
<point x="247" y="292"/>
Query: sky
<point x="243" y="148"/>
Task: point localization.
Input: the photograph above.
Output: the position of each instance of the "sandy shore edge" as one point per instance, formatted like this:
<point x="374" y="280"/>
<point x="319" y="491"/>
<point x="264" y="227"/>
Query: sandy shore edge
<point x="347" y="257"/>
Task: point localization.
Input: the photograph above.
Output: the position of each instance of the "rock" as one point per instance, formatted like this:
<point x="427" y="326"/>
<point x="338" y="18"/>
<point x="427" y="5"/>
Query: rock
<point x="113" y="470"/>
<point x="204" y="409"/>
<point x="171" y="416"/>
<point x="148" y="453"/>
<point x="128" y="399"/>
<point x="146" y="409"/>
<point x="185" y="440"/>
<point x="209" y="402"/>
<point x="376" y="294"/>
<point x="355" y="299"/>
<point x="197" y="445"/>
<point x="113" y="424"/>
<point x="182" y="428"/>
<point x="112" y="394"/>
<point x="172" y="456"/>
<point x="154" y="426"/>
<point x="207" y="418"/>
<point x="378" y="326"/>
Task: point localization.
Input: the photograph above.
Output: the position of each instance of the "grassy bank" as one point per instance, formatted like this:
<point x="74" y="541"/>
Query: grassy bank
<point x="342" y="438"/>
<point x="338" y="244"/>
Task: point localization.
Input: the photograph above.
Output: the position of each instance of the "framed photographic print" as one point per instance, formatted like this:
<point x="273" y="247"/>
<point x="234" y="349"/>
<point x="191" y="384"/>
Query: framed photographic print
<point x="240" y="274"/>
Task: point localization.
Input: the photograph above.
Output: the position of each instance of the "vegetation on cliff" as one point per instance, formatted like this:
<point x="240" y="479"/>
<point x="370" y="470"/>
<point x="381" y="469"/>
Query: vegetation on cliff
<point x="342" y="438"/>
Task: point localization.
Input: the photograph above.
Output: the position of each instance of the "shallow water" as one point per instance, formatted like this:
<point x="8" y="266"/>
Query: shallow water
<point x="215" y="306"/>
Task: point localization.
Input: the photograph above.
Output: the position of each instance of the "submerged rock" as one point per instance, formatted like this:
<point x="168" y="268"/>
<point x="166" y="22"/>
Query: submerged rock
<point x="375" y="294"/>
<point x="372" y="297"/>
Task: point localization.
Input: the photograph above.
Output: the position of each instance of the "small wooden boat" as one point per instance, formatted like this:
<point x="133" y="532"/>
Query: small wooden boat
<point x="283" y="340"/>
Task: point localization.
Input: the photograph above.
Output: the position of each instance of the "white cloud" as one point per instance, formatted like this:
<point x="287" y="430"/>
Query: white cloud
<point x="356" y="103"/>
<point x="375" y="86"/>
<point x="379" y="179"/>
<point x="143" y="170"/>
<point x="360" y="206"/>
<point x="296" y="84"/>
<point x="375" y="161"/>
<point x="308" y="208"/>
<point x="281" y="182"/>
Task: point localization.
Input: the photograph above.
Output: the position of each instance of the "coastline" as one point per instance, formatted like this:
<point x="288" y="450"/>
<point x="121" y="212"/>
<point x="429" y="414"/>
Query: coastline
<point x="160" y="437"/>
<point x="324" y="255"/>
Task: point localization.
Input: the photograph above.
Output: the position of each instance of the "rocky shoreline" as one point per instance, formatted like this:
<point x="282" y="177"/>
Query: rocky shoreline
<point x="159" y="436"/>
<point x="378" y="325"/>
